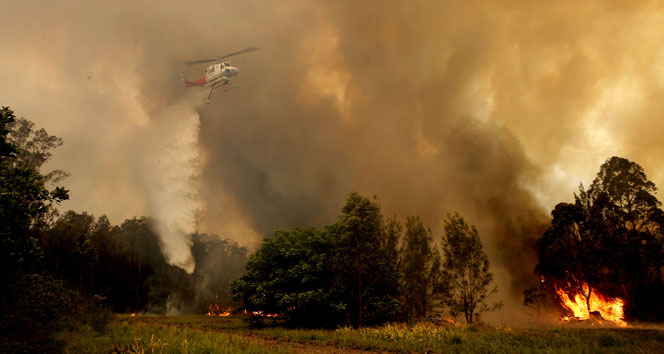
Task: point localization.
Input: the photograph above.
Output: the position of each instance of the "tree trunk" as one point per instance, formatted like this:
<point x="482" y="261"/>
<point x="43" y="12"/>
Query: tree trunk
<point x="590" y="291"/>
<point x="359" y="302"/>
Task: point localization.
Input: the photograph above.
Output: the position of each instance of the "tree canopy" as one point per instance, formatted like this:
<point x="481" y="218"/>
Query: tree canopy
<point x="360" y="271"/>
<point x="418" y="264"/>
<point x="24" y="200"/>
<point x="24" y="203"/>
<point x="345" y="273"/>
<point x="290" y="275"/>
<point x="364" y="271"/>
<point x="466" y="270"/>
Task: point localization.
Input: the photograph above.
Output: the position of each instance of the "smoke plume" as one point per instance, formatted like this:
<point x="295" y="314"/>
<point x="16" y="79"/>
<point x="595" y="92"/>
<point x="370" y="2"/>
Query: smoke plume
<point x="171" y="169"/>
<point x="496" y="110"/>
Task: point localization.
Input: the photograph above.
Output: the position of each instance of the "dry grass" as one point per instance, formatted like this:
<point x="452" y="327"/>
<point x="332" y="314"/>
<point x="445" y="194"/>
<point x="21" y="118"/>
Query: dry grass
<point x="201" y="334"/>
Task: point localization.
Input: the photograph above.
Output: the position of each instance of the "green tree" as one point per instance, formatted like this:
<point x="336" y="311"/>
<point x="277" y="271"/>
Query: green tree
<point x="290" y="275"/>
<point x="465" y="270"/>
<point x="24" y="201"/>
<point x="417" y="261"/>
<point x="365" y="271"/>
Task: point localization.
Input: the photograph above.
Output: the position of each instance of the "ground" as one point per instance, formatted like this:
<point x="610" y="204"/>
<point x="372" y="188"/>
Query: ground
<point x="202" y="334"/>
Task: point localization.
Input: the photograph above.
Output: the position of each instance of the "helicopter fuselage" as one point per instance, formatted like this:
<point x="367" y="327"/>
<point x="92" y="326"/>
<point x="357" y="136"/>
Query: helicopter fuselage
<point x="219" y="74"/>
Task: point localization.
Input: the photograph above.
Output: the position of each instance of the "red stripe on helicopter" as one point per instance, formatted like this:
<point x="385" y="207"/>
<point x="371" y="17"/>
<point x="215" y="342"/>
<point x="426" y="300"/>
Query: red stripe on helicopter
<point x="200" y="82"/>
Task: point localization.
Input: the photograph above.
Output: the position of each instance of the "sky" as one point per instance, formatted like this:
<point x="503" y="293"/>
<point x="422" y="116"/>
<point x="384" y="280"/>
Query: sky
<point x="494" y="109"/>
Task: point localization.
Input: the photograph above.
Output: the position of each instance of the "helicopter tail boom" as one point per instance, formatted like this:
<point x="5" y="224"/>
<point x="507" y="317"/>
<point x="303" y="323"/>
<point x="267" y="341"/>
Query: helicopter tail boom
<point x="188" y="83"/>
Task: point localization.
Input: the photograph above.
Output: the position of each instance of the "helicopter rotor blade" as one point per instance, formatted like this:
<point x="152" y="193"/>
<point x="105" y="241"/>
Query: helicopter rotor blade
<point x="192" y="62"/>
<point x="246" y="50"/>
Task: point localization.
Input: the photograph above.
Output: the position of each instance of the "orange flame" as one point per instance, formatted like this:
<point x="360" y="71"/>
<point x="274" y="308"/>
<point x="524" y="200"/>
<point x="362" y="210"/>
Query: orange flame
<point x="609" y="309"/>
<point x="268" y="315"/>
<point x="216" y="310"/>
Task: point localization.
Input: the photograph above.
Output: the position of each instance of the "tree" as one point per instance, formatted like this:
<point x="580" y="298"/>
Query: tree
<point x="24" y="200"/>
<point x="33" y="147"/>
<point x="316" y="278"/>
<point x="416" y="266"/>
<point x="466" y="270"/>
<point x="69" y="251"/>
<point x="392" y="236"/>
<point x="364" y="270"/>
<point x="290" y="276"/>
<point x="570" y="250"/>
<point x="533" y="298"/>
<point x="610" y="238"/>
<point x="148" y="280"/>
<point x="122" y="264"/>
<point x="435" y="278"/>
<point x="7" y="149"/>
<point x="626" y="196"/>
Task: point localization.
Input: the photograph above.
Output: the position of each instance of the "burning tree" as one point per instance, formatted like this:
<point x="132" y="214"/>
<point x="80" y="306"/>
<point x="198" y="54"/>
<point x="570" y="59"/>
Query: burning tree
<point x="605" y="249"/>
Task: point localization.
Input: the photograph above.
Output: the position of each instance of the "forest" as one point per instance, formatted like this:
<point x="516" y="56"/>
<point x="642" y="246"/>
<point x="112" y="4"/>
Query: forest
<point x="65" y="268"/>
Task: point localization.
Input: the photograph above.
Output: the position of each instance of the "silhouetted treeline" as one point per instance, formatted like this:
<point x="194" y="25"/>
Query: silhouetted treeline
<point x="124" y="264"/>
<point x="364" y="270"/>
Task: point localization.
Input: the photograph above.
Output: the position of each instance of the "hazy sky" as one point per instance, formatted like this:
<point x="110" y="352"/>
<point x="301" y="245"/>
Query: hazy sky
<point x="495" y="109"/>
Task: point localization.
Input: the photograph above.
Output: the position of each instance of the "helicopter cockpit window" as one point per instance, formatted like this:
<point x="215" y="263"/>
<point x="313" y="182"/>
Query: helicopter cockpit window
<point x="227" y="64"/>
<point x="211" y="70"/>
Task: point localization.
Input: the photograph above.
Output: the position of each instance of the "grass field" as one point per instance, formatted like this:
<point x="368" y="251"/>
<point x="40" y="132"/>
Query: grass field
<point x="201" y="334"/>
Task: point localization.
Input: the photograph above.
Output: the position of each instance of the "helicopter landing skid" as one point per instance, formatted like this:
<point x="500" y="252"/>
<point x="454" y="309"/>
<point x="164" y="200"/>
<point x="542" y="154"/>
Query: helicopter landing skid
<point x="209" y="95"/>
<point x="217" y="86"/>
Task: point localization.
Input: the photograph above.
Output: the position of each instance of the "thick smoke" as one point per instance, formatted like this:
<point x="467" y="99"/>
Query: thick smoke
<point x="493" y="109"/>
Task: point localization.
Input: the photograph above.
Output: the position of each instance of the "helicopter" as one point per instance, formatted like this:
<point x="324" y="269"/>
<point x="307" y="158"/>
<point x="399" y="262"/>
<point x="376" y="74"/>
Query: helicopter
<point x="218" y="74"/>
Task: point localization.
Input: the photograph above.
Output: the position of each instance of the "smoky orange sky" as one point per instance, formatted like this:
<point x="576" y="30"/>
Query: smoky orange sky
<point x="494" y="109"/>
